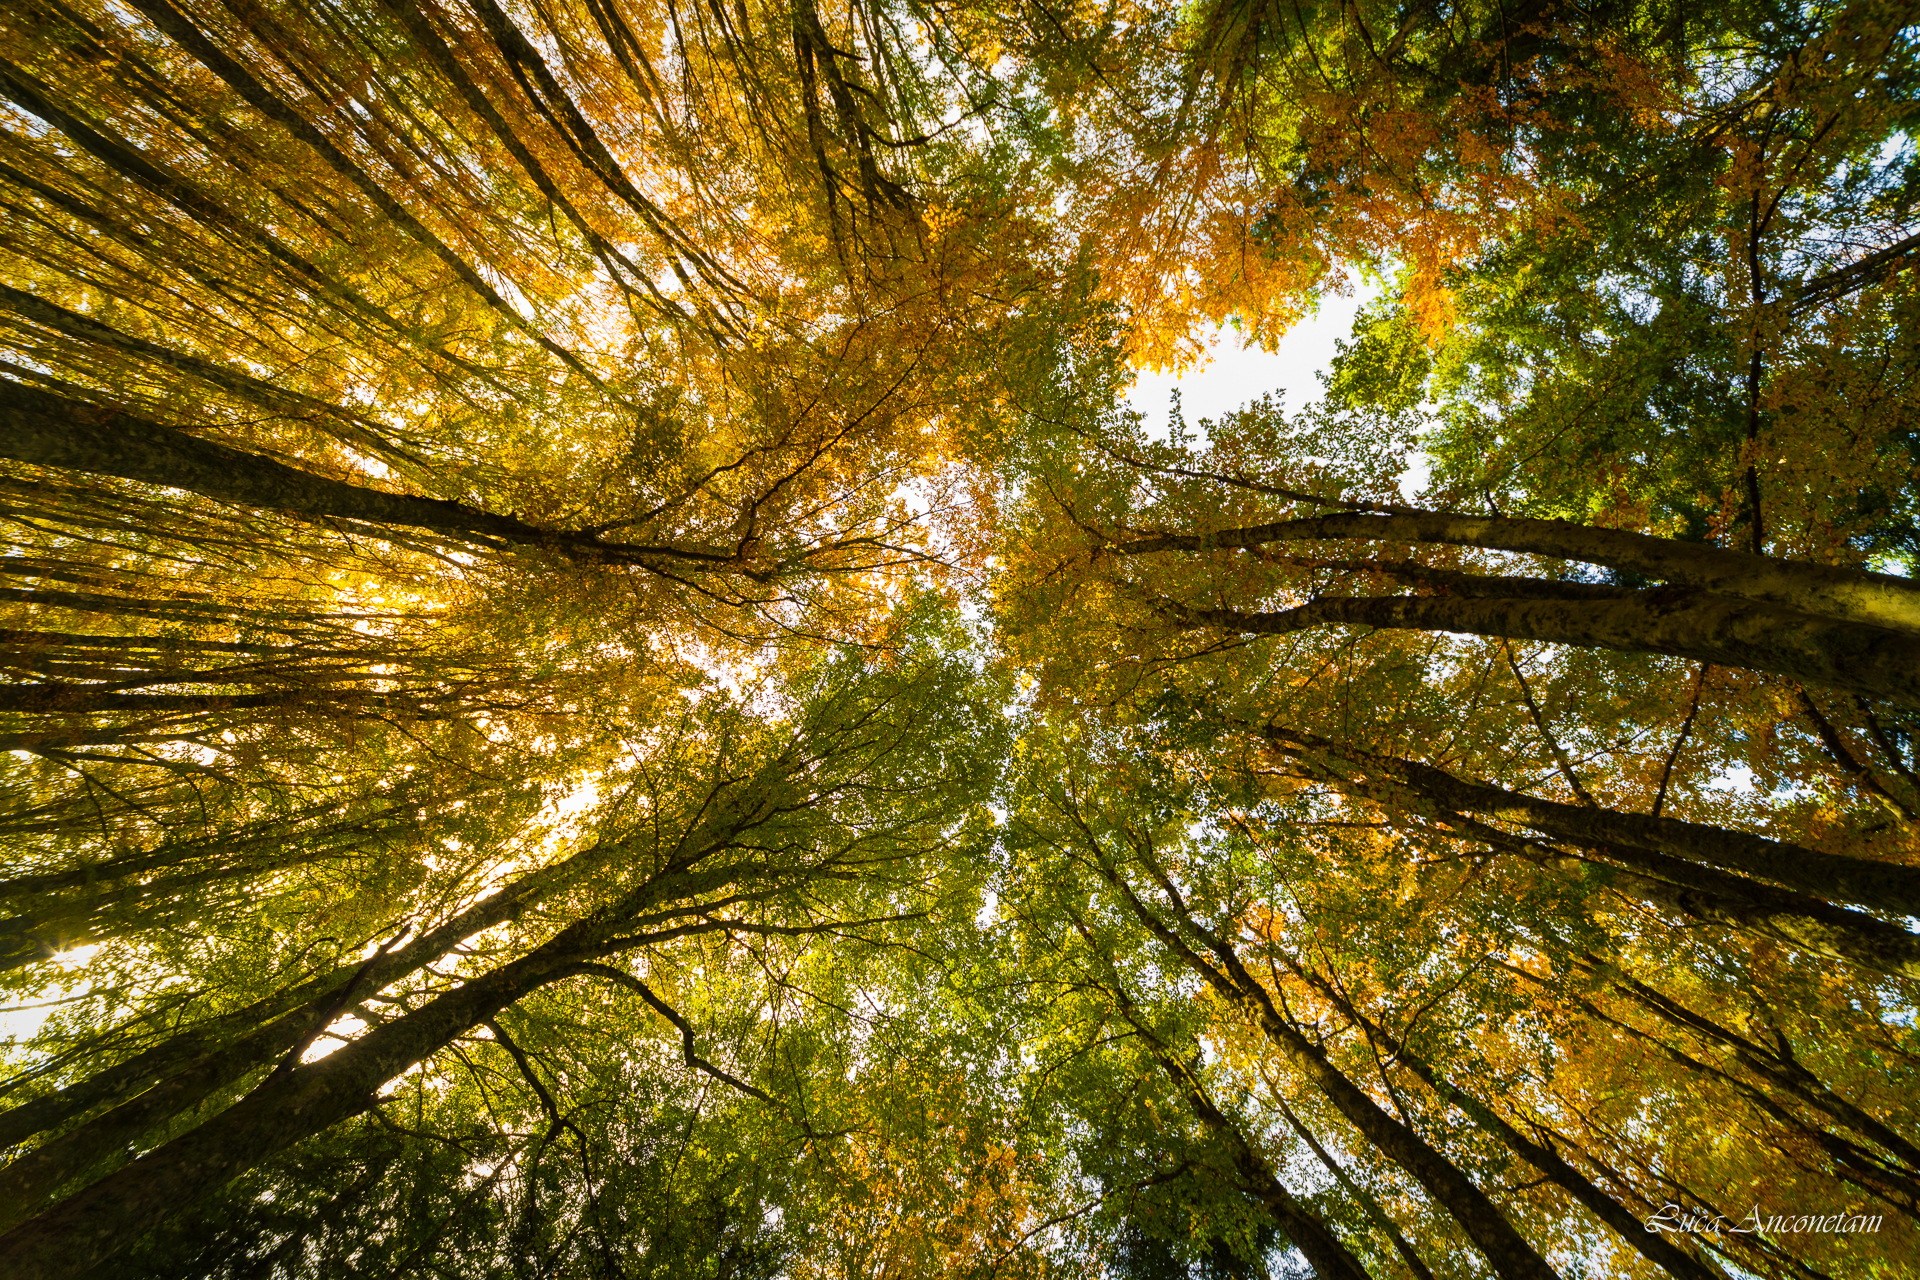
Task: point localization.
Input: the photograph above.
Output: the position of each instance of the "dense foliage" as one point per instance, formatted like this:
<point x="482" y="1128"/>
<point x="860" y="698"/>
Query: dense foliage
<point x="599" y="682"/>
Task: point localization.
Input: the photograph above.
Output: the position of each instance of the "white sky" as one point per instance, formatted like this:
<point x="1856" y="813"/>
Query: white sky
<point x="1237" y="374"/>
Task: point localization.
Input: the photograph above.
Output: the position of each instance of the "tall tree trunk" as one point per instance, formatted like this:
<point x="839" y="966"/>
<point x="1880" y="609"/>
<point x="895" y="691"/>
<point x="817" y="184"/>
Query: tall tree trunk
<point x="67" y="1240"/>
<point x="1681" y="622"/>
<point x="1887" y="1179"/>
<point x="53" y="924"/>
<point x="1883" y="886"/>
<point x="1653" y="1245"/>
<point x="297" y="1102"/>
<point x="123" y="158"/>
<point x="33" y="1179"/>
<point x="262" y="99"/>
<point x="115" y="1084"/>
<point x="54" y="431"/>
<point x="1779" y="1068"/>
<point x="1674" y="886"/>
<point x="125" y="1080"/>
<point x="1366" y="1199"/>
<point x="1850" y="595"/>
<point x="1511" y="1257"/>
<point x="1330" y="1258"/>
<point x="1686" y="890"/>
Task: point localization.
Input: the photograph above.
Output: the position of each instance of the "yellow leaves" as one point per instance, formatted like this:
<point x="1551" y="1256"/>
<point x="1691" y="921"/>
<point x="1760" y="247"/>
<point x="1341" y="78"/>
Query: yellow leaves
<point x="940" y="219"/>
<point x="1433" y="305"/>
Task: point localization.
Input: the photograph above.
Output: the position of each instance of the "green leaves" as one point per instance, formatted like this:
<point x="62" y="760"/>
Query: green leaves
<point x="596" y="682"/>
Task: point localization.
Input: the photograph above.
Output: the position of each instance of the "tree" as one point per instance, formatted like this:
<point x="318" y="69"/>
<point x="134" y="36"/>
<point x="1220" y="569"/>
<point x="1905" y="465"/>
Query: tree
<point x="1281" y="910"/>
<point x="501" y="781"/>
<point x="728" y="834"/>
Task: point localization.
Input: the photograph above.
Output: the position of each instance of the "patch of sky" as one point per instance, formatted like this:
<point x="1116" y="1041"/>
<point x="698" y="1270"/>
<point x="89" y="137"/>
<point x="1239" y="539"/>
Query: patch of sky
<point x="1738" y="779"/>
<point x="1891" y="564"/>
<point x="1236" y="373"/>
<point x="19" y="1023"/>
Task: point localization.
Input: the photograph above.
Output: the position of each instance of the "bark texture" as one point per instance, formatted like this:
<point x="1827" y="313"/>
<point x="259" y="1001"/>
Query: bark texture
<point x="1680" y="622"/>
<point x="1884" y="886"/>
<point x="1854" y="595"/>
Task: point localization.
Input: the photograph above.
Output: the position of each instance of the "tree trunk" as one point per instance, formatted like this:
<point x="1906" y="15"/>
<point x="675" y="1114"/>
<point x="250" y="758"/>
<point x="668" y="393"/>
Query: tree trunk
<point x="124" y="1080"/>
<point x="53" y="431"/>
<point x="69" y="1239"/>
<point x="296" y="1103"/>
<point x="33" y="1179"/>
<point x="1851" y="595"/>
<point x="119" y="155"/>
<point x="86" y="329"/>
<point x="1680" y="622"/>
<point x="1654" y="1246"/>
<point x="1331" y="1259"/>
<point x="1778" y="1067"/>
<point x="1882" y="886"/>
<point x="144" y="1070"/>
<point x="1511" y="1257"/>
<point x="263" y="100"/>
<point x="1366" y="1199"/>
<point x="1675" y="886"/>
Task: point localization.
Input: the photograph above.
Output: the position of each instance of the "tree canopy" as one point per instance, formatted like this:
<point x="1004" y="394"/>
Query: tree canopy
<point x="600" y="681"/>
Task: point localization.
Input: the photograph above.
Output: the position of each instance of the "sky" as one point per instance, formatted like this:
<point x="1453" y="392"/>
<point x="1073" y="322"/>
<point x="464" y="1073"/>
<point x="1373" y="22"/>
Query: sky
<point x="1237" y="374"/>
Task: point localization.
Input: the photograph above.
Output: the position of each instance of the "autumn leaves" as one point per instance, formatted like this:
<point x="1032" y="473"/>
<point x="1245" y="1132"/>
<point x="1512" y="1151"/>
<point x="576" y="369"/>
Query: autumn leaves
<point x="472" y="606"/>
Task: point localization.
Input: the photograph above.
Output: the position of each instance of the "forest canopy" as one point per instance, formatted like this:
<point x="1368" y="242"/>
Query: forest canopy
<point x="600" y="681"/>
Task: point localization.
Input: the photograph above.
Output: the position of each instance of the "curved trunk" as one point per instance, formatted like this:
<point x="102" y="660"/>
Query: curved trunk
<point x="1852" y="595"/>
<point x="1680" y="622"/>
<point x="1883" y="886"/>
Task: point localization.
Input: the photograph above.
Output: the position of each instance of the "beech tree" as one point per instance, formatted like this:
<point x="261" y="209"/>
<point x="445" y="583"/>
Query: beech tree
<point x="595" y="681"/>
